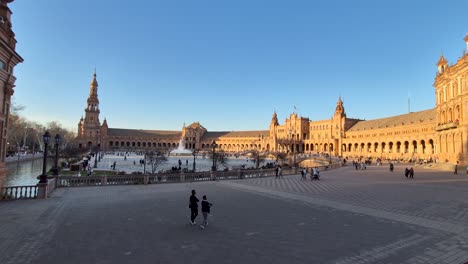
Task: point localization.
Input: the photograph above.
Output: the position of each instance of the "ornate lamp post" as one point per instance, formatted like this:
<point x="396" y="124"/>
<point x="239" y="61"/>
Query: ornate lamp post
<point x="213" y="146"/>
<point x="292" y="135"/>
<point x="43" y="177"/>
<point x="57" y="143"/>
<point x="194" y="153"/>
<point x="56" y="169"/>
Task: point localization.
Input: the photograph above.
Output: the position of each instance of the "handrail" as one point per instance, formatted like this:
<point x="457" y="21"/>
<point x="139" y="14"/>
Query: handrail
<point x="19" y="192"/>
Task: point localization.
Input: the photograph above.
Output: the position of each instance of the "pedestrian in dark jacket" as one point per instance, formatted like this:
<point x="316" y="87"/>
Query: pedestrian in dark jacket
<point x="411" y="173"/>
<point x="193" y="205"/>
<point x="406" y="172"/>
<point x="205" y="211"/>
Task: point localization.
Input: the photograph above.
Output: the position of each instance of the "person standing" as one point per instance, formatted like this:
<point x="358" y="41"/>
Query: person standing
<point x="193" y="205"/>
<point x="277" y="170"/>
<point x="456" y="168"/>
<point x="411" y="173"/>
<point x="205" y="208"/>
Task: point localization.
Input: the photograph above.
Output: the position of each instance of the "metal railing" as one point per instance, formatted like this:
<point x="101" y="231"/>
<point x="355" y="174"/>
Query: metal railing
<point x="19" y="192"/>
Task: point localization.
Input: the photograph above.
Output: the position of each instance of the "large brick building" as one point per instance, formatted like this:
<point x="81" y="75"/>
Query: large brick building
<point x="8" y="60"/>
<point x="439" y="133"/>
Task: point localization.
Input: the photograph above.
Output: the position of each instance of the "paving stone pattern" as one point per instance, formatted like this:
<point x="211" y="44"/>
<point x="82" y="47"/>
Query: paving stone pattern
<point x="349" y="216"/>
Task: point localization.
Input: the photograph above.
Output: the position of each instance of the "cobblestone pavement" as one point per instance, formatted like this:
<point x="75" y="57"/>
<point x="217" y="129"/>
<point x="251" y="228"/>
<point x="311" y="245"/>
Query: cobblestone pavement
<point x="349" y="216"/>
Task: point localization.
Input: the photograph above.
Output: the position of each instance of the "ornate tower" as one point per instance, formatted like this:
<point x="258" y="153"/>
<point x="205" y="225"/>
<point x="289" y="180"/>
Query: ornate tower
<point x="442" y="64"/>
<point x="8" y="60"/>
<point x="89" y="128"/>
<point x="451" y="90"/>
<point x="273" y="135"/>
<point x="338" y="126"/>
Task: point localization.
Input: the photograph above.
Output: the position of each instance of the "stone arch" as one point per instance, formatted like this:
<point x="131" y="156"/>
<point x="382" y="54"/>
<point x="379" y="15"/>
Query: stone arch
<point x="398" y="147"/>
<point x="415" y="146"/>
<point x="431" y="146"/>
<point x="376" y="147"/>
<point x="390" y="147"/>
<point x="406" y="147"/>
<point x="423" y="146"/>
<point x="363" y="147"/>
<point x="457" y="113"/>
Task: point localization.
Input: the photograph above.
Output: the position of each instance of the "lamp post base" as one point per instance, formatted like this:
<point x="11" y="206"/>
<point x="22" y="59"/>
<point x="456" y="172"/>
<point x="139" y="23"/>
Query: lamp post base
<point x="43" y="178"/>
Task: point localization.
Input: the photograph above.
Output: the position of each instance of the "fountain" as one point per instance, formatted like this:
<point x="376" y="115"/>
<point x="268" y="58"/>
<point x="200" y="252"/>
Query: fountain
<point x="180" y="150"/>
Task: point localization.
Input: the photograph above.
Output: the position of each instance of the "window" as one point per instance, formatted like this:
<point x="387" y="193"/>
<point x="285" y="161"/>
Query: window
<point x="2" y="64"/>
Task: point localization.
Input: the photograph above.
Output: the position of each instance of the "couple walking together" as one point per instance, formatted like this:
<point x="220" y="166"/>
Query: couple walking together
<point x="193" y="205"/>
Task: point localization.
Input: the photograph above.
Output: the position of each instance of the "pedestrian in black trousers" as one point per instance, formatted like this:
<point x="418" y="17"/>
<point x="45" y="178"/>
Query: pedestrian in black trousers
<point x="193" y="205"/>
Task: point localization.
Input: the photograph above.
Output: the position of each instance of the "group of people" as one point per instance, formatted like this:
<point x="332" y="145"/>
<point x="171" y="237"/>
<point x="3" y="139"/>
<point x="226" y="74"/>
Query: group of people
<point x="314" y="174"/>
<point x="409" y="173"/>
<point x="278" y="172"/>
<point x="193" y="205"/>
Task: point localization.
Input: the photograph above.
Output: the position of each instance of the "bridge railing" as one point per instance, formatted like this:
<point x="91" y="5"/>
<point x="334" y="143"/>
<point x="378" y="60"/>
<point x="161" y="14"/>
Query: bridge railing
<point x="19" y="192"/>
<point x="160" y="178"/>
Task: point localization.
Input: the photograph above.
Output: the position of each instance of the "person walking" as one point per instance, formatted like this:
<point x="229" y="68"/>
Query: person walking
<point x="205" y="208"/>
<point x="411" y="173"/>
<point x="193" y="205"/>
<point x="456" y="168"/>
<point x="406" y="172"/>
<point x="276" y="171"/>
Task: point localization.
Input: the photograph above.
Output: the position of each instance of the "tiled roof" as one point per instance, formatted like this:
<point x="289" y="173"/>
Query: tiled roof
<point x="406" y="119"/>
<point x="216" y="134"/>
<point x="116" y="132"/>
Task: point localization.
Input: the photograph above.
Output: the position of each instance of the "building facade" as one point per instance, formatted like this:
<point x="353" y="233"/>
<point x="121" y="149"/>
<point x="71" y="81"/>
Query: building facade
<point x="8" y="60"/>
<point x="440" y="133"/>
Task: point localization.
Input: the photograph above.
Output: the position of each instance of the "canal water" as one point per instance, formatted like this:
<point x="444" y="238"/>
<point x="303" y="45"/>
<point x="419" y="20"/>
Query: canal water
<point x="24" y="172"/>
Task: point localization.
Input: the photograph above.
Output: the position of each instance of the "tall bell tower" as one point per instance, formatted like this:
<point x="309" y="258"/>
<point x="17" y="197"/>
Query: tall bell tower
<point x="89" y="128"/>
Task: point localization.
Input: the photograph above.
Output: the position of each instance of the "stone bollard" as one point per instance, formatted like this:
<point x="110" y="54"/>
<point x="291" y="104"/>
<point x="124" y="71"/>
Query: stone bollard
<point x="104" y="180"/>
<point x="213" y="175"/>
<point x="182" y="177"/>
<point x="42" y="190"/>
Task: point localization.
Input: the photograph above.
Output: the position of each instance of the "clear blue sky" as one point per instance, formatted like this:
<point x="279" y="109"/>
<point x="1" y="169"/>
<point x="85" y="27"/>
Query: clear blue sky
<point x="230" y="64"/>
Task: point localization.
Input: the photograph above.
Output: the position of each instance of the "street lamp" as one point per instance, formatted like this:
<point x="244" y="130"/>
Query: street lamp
<point x="95" y="157"/>
<point x="56" y="169"/>
<point x="294" y="145"/>
<point x="57" y="143"/>
<point x="194" y="153"/>
<point x="213" y="146"/>
<point x="43" y="177"/>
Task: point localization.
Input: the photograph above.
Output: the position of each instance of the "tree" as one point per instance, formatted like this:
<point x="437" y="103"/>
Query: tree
<point x="71" y="153"/>
<point x="28" y="134"/>
<point x="258" y="157"/>
<point x="220" y="157"/>
<point x="155" y="159"/>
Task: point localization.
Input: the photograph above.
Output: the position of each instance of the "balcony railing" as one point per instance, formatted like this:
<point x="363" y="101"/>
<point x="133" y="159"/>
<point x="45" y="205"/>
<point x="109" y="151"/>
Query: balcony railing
<point x="450" y="125"/>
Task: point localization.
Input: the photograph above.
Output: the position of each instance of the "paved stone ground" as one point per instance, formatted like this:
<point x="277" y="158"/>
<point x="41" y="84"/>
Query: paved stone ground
<point x="349" y="216"/>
